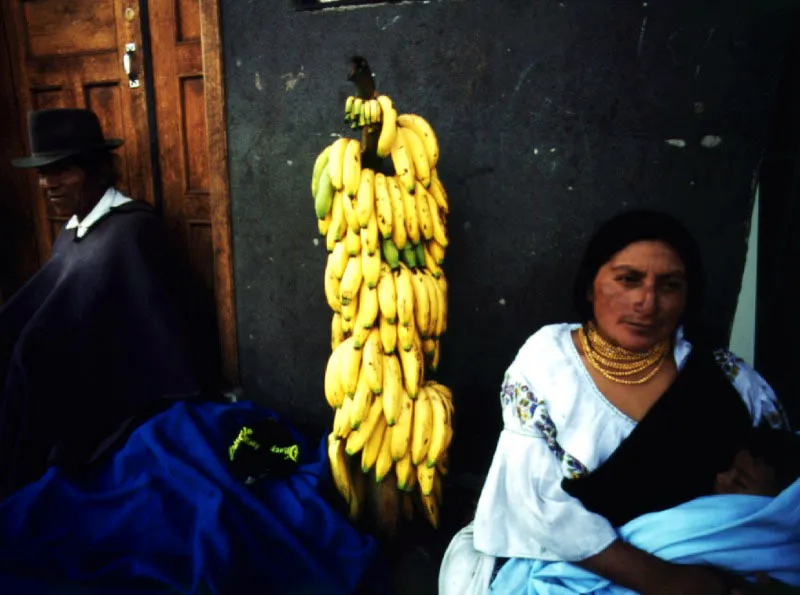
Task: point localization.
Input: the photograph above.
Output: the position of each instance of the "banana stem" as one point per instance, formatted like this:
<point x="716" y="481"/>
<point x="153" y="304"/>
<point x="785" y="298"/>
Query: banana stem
<point x="361" y="76"/>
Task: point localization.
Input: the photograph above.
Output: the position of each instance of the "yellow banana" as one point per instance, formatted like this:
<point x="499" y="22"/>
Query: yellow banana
<point x="369" y="235"/>
<point x="337" y="333"/>
<point x="424" y="131"/>
<point x="437" y="351"/>
<point x="439" y="193"/>
<point x="422" y="304"/>
<point x="336" y="162"/>
<point x="387" y="296"/>
<point x="430" y="263"/>
<point x="403" y="165"/>
<point x="372" y="448"/>
<point x="422" y="427"/>
<point x="338" y="222"/>
<point x="352" y="242"/>
<point x="431" y="508"/>
<point x="425" y="478"/>
<point x="348" y="108"/>
<point x="406" y="334"/>
<point x="324" y="225"/>
<point x="362" y="400"/>
<point x="350" y="361"/>
<point x="434" y="303"/>
<point x="383" y="206"/>
<point x="388" y="333"/>
<point x="388" y="133"/>
<point x="412" y="363"/>
<point x="372" y="362"/>
<point x="356" y="112"/>
<point x="351" y="280"/>
<point x="384" y="463"/>
<point x="438" y="429"/>
<point x="319" y="164"/>
<point x="416" y="149"/>
<point x="406" y="477"/>
<point x="423" y="212"/>
<point x="338" y="259"/>
<point x="367" y="112"/>
<point x="401" y="431"/>
<point x="351" y="173"/>
<point x="428" y="348"/>
<point x="350" y="213"/>
<point x="332" y="288"/>
<point x="392" y="388"/>
<point x="437" y="488"/>
<point x="357" y="494"/>
<point x="358" y="438"/>
<point x="442" y="283"/>
<point x="411" y="216"/>
<point x="399" y="233"/>
<point x="365" y="198"/>
<point x="339" y="467"/>
<point x="349" y="314"/>
<point x="333" y="387"/>
<point x="341" y="419"/>
<point x="405" y="295"/>
<point x="371" y="267"/>
<point x="439" y="226"/>
<point x="436" y="250"/>
<point x="368" y="306"/>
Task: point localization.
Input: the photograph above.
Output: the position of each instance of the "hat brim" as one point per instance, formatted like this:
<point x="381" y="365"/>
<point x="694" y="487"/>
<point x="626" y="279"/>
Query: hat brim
<point x="42" y="160"/>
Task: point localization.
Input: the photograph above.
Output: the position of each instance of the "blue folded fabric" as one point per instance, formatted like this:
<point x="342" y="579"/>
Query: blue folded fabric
<point x="166" y="515"/>
<point x="745" y="534"/>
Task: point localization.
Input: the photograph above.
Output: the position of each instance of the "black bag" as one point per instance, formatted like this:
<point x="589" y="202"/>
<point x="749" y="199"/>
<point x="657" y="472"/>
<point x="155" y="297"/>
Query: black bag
<point x="263" y="449"/>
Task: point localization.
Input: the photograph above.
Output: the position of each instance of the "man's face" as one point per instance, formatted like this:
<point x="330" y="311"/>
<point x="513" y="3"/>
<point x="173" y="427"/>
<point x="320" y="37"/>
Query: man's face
<point x="68" y="188"/>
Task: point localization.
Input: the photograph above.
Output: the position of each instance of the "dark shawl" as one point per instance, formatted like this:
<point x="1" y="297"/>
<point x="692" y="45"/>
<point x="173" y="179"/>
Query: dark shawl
<point x="674" y="453"/>
<point x="98" y="336"/>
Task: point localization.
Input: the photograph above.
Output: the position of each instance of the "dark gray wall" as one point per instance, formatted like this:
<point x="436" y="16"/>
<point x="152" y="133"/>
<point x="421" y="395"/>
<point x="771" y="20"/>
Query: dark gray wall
<point x="551" y="117"/>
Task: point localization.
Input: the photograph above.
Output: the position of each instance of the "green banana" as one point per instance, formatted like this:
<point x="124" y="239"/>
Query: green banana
<point x="324" y="197"/>
<point x="390" y="253"/>
<point x="410" y="257"/>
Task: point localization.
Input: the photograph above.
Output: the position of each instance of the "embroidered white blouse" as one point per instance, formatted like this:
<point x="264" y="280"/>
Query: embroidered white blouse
<point x="557" y="424"/>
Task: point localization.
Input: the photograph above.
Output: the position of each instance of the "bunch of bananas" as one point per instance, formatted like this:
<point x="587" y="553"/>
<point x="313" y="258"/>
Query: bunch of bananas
<point x="386" y="236"/>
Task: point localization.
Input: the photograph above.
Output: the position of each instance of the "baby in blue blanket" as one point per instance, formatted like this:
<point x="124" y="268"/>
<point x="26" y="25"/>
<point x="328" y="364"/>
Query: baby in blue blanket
<point x="767" y="464"/>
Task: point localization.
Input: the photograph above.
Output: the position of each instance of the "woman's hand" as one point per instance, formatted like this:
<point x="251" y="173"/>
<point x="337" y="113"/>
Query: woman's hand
<point x="702" y="580"/>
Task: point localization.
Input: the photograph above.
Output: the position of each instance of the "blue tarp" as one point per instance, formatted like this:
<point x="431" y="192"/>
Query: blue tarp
<point x="165" y="515"/>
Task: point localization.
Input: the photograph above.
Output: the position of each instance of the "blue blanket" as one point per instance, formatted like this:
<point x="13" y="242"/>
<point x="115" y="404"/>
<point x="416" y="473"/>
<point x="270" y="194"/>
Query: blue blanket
<point x="165" y="516"/>
<point x="745" y="534"/>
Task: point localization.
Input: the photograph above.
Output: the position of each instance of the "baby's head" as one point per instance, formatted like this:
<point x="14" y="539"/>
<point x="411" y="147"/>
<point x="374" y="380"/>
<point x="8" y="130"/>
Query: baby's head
<point x="766" y="464"/>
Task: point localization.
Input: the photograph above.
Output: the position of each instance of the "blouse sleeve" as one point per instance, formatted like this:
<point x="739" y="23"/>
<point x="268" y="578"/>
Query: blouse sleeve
<point x="523" y="512"/>
<point x="758" y="396"/>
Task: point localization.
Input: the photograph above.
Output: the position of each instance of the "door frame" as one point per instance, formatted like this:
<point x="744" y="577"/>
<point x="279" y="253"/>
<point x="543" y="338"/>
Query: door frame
<point x="219" y="187"/>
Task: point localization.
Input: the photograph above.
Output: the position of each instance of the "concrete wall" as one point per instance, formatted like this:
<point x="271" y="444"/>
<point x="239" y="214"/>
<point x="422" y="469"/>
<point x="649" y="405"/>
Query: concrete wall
<point x="551" y="116"/>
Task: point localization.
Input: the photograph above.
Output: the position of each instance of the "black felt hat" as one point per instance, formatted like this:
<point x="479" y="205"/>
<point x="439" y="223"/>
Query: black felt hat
<point x="56" y="134"/>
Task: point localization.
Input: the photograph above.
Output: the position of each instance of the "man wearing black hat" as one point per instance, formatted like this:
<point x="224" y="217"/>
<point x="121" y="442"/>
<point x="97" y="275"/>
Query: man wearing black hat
<point x="102" y="333"/>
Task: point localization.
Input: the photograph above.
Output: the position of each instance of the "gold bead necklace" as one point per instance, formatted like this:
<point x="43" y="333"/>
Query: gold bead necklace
<point x="617" y="363"/>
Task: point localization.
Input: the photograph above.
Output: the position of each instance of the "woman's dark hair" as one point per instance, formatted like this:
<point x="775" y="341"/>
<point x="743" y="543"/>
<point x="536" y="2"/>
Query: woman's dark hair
<point x="637" y="226"/>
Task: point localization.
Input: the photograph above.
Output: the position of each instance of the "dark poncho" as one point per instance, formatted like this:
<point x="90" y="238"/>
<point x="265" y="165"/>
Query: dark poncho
<point x="97" y="337"/>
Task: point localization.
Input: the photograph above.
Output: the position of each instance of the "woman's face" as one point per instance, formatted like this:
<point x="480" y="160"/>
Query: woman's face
<point x="639" y="295"/>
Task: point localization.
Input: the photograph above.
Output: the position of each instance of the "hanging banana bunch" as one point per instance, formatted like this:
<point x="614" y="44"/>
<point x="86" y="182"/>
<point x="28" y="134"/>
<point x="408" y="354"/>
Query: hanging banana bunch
<point x="386" y="236"/>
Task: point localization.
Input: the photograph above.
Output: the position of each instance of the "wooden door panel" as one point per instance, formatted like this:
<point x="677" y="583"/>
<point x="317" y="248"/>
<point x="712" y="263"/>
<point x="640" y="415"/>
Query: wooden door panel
<point x="69" y="54"/>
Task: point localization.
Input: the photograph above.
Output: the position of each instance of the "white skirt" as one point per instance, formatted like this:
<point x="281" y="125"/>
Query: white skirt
<point x="465" y="570"/>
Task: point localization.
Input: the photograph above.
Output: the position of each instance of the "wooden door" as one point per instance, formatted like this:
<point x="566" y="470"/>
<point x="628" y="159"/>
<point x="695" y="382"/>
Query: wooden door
<point x="68" y="53"/>
<point x="190" y="122"/>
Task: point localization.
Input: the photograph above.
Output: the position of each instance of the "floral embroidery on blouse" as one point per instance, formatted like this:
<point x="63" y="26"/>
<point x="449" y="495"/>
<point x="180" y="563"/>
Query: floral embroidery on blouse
<point x="730" y="364"/>
<point x="532" y="411"/>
